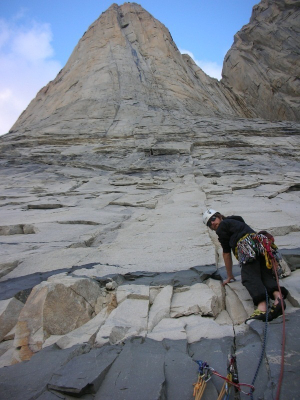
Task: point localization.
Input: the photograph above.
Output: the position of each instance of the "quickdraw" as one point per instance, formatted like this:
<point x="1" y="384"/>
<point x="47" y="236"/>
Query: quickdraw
<point x="232" y="377"/>
<point x="225" y="391"/>
<point x="254" y="244"/>
<point x="204" y="376"/>
<point x="231" y="380"/>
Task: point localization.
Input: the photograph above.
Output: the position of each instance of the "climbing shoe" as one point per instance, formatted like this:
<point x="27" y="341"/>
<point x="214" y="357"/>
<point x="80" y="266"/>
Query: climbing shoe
<point x="259" y="315"/>
<point x="276" y="310"/>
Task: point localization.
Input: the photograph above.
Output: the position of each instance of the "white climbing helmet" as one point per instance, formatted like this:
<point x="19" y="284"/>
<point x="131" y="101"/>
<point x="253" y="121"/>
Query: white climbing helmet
<point x="208" y="214"/>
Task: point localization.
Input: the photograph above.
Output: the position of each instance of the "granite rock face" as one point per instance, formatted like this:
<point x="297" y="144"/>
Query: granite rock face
<point x="104" y="256"/>
<point x="145" y="368"/>
<point x="60" y="311"/>
<point x="118" y="81"/>
<point x="96" y="168"/>
<point x="262" y="67"/>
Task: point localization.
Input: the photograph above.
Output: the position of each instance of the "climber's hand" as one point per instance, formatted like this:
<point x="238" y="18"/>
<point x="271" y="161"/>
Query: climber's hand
<point x="228" y="280"/>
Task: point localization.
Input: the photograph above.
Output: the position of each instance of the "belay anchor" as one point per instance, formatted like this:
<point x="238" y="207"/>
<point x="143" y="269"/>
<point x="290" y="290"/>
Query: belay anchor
<point x="205" y="373"/>
<point x="203" y="377"/>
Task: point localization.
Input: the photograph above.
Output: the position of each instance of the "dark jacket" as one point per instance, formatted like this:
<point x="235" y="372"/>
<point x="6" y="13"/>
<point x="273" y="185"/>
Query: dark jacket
<point x="230" y="231"/>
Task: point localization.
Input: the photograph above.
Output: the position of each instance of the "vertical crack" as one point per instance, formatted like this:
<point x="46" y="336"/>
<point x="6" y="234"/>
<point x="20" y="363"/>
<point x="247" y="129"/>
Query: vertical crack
<point x="233" y="352"/>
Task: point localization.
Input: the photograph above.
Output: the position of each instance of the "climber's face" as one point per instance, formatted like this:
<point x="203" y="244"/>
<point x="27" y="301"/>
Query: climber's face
<point x="214" y="223"/>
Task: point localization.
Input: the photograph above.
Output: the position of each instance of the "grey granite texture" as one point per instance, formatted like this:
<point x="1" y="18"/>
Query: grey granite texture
<point x="105" y="177"/>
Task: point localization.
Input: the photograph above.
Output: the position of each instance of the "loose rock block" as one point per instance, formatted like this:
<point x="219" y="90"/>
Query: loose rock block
<point x="161" y="307"/>
<point x="85" y="373"/>
<point x="54" y="309"/>
<point x="169" y="328"/>
<point x="198" y="299"/>
<point x="219" y="290"/>
<point x="235" y="307"/>
<point x="198" y="327"/>
<point x="31" y="378"/>
<point x="130" y="318"/>
<point x="84" y="334"/>
<point x="138" y="373"/>
<point x="132" y="292"/>
<point x="9" y="313"/>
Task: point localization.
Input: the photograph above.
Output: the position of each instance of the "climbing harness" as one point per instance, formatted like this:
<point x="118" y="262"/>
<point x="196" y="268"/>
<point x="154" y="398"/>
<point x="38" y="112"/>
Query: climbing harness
<point x="231" y="380"/>
<point x="254" y="244"/>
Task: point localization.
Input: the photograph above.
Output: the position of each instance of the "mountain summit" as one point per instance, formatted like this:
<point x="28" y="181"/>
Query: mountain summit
<point x="126" y="67"/>
<point x="126" y="70"/>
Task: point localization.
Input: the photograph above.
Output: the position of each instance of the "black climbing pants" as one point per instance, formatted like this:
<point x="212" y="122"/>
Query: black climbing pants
<point x="256" y="277"/>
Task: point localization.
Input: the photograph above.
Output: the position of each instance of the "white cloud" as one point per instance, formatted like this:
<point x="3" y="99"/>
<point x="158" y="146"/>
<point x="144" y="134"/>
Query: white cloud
<point x="34" y="44"/>
<point x="211" y="68"/>
<point x="26" y="65"/>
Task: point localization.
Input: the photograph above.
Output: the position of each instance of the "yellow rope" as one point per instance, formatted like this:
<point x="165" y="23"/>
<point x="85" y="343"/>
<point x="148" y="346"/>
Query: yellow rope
<point x="224" y="387"/>
<point x="199" y="388"/>
<point x="222" y="392"/>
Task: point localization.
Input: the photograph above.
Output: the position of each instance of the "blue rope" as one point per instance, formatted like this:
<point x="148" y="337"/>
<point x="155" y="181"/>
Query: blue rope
<point x="226" y="396"/>
<point x="263" y="347"/>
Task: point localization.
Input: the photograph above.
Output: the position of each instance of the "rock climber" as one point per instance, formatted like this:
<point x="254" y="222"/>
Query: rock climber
<point x="250" y="249"/>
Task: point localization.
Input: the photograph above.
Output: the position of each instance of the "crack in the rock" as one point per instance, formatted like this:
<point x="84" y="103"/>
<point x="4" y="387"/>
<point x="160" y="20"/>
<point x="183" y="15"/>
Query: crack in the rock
<point x="92" y="307"/>
<point x="234" y="348"/>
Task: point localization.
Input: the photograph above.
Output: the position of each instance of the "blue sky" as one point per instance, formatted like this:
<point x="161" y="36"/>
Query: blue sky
<point x="38" y="36"/>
